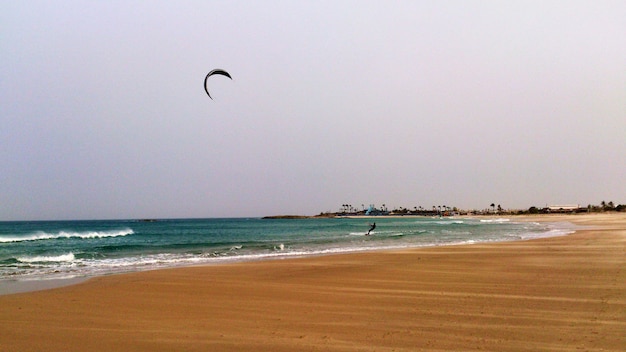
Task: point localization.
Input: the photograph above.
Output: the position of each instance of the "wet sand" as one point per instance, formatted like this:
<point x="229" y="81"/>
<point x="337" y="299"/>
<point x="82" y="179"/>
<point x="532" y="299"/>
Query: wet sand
<point x="556" y="294"/>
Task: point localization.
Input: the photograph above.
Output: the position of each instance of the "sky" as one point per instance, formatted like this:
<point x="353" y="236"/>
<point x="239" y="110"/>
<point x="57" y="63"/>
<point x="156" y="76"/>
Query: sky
<point x="103" y="114"/>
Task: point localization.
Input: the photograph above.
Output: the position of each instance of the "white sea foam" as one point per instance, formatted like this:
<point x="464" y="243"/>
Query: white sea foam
<point x="496" y="221"/>
<point x="449" y="222"/>
<point x="40" y="235"/>
<point x="549" y="233"/>
<point x="69" y="257"/>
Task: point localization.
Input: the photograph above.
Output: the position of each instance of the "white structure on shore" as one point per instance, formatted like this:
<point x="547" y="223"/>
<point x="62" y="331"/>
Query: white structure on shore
<point x="563" y="208"/>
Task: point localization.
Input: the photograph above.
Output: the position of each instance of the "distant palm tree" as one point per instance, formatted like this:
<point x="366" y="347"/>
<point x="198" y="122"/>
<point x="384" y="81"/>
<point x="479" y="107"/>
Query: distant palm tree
<point x="493" y="208"/>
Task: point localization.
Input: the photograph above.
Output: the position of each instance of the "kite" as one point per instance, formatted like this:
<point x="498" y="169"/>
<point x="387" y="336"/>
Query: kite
<point x="214" y="72"/>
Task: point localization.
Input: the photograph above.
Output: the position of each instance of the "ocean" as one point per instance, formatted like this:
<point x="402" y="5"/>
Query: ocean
<point x="43" y="250"/>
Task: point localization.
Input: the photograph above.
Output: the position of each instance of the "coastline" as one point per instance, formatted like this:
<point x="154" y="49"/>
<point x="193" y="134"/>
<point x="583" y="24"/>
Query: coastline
<point x="558" y="293"/>
<point x="67" y="275"/>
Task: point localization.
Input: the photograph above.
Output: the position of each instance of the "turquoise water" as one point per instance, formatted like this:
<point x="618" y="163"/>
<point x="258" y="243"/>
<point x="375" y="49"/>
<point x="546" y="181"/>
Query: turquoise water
<point x="70" y="249"/>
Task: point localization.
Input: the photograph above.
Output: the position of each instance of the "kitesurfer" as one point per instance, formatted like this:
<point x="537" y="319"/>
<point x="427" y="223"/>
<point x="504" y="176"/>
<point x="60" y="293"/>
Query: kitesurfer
<point x="372" y="227"/>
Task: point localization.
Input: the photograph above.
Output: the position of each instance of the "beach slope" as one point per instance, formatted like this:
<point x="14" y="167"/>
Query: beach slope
<point x="555" y="294"/>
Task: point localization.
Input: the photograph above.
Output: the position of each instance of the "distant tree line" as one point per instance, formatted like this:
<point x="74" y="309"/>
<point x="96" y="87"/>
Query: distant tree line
<point x="602" y="207"/>
<point x="443" y="210"/>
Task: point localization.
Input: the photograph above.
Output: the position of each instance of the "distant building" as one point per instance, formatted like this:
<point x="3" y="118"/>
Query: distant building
<point x="568" y="208"/>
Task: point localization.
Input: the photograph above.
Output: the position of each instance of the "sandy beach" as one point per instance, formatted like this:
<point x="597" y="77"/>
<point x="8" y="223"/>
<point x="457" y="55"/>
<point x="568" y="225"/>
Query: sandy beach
<point x="554" y="294"/>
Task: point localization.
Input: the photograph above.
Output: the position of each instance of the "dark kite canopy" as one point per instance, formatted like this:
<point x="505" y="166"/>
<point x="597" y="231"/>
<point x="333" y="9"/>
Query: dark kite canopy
<point x="217" y="71"/>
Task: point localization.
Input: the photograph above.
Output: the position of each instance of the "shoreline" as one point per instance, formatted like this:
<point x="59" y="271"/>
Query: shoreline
<point x="9" y="287"/>
<point x="557" y="293"/>
<point x="12" y="286"/>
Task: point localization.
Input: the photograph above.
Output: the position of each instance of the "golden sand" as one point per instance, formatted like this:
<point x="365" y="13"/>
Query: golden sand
<point x="556" y="294"/>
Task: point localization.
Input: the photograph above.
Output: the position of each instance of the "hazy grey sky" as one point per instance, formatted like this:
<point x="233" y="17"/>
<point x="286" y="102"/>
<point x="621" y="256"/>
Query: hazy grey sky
<point x="407" y="103"/>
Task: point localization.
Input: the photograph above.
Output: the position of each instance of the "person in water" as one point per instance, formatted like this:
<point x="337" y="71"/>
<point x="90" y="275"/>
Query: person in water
<point x="372" y="227"/>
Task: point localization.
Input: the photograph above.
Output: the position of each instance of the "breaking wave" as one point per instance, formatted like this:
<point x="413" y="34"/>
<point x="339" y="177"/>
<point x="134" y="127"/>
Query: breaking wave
<point x="495" y="221"/>
<point x="40" y="235"/>
<point x="40" y="259"/>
